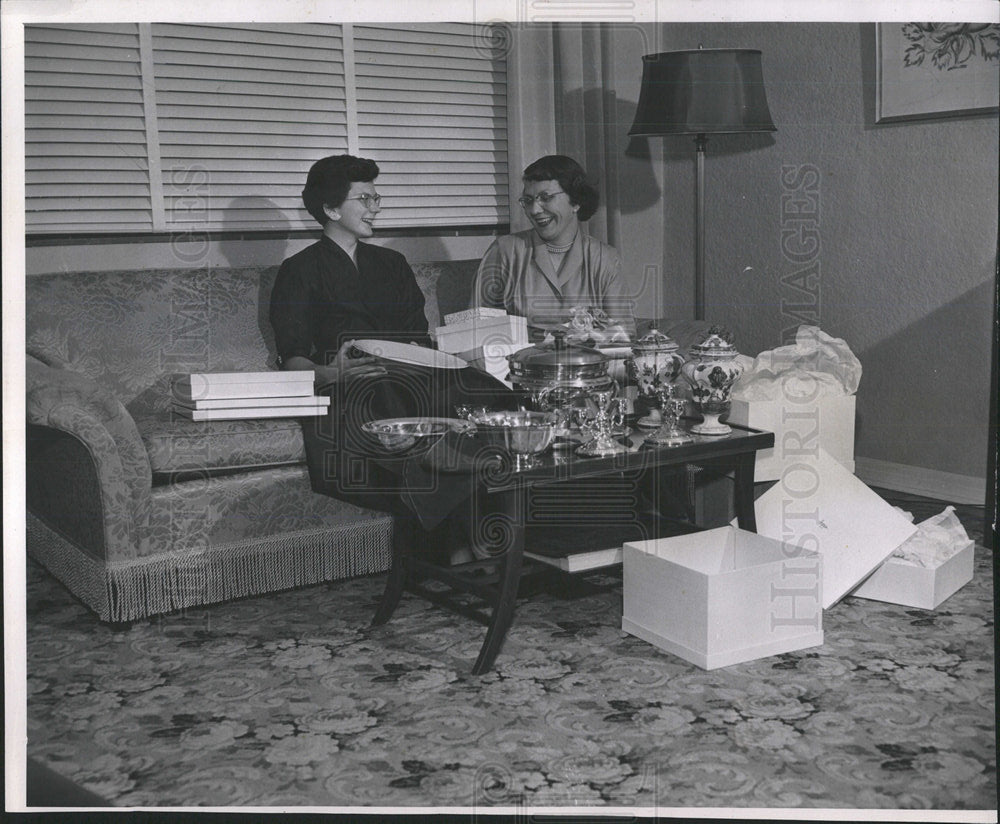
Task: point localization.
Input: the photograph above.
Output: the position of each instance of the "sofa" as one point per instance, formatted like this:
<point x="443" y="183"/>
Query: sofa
<point x="139" y="511"/>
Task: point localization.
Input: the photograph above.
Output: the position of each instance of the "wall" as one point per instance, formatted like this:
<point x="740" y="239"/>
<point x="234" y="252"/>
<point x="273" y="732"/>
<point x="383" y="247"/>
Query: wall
<point x="907" y="232"/>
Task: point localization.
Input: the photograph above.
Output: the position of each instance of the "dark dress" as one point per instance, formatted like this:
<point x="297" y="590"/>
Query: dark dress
<point x="321" y="300"/>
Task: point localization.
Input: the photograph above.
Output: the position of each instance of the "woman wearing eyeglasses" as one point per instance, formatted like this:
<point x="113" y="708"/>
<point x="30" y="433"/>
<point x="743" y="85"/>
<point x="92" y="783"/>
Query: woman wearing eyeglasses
<point x="546" y="271"/>
<point x="341" y="289"/>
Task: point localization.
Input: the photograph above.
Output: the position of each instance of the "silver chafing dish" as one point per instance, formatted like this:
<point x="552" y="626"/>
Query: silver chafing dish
<point x="559" y="365"/>
<point x="560" y="377"/>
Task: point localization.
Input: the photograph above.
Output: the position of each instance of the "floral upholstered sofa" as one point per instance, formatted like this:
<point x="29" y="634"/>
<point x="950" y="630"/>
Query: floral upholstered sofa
<point x="140" y="512"/>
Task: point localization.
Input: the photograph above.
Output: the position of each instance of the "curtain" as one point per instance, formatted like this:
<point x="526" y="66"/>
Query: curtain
<point x="531" y="101"/>
<point x="562" y="101"/>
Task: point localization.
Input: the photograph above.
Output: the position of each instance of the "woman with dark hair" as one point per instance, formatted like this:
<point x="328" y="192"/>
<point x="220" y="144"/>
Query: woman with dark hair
<point x="546" y="271"/>
<point x="341" y="289"/>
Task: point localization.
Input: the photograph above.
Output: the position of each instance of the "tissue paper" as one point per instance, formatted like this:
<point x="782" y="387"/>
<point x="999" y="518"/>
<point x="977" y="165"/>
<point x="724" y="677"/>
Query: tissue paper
<point x="804" y="394"/>
<point x="937" y="539"/>
<point x="816" y="365"/>
<point x="926" y="569"/>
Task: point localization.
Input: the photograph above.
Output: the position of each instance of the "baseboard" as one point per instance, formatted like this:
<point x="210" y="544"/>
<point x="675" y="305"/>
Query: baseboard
<point x="918" y="480"/>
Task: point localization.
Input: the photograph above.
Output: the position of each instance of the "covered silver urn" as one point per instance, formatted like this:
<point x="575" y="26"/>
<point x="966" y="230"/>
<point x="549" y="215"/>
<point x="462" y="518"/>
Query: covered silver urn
<point x="560" y="377"/>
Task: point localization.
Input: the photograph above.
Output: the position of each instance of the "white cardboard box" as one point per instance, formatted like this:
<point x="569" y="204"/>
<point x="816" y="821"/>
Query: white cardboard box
<point x="799" y="427"/>
<point x="900" y="582"/>
<point x="470" y="314"/>
<point x="819" y="505"/>
<point x="722" y="596"/>
<point x="476" y="332"/>
<point x="492" y="358"/>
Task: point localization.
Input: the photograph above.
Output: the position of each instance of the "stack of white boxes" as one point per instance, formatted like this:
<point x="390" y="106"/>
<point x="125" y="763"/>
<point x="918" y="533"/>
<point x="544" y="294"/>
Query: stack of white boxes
<point x="484" y="338"/>
<point x="225" y="396"/>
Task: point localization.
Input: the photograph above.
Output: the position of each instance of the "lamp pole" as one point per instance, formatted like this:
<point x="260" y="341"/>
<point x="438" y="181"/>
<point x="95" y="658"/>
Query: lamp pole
<point x="701" y="92"/>
<point x="701" y="141"/>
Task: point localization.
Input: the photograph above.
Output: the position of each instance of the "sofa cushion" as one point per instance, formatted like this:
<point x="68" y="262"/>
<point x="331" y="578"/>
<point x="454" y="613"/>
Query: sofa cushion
<point x="178" y="446"/>
<point x="131" y="331"/>
<point x="447" y="287"/>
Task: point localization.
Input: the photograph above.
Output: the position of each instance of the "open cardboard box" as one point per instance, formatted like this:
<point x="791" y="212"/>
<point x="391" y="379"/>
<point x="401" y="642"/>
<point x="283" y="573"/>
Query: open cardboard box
<point x="798" y="427"/>
<point x="722" y="596"/>
<point x="898" y="581"/>
<point x="819" y="505"/>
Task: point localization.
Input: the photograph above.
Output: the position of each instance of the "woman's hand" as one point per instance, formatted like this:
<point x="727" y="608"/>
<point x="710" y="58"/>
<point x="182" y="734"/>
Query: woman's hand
<point x="350" y="364"/>
<point x="344" y="367"/>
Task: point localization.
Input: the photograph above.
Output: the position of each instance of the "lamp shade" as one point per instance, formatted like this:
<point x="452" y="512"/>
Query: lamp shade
<point x="702" y="91"/>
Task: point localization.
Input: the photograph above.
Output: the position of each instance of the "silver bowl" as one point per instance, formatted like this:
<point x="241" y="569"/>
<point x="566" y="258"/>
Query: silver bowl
<point x="399" y="434"/>
<point x="525" y="434"/>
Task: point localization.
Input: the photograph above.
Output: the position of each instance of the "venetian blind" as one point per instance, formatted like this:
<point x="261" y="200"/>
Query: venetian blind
<point x="432" y="112"/>
<point x="86" y="160"/>
<point x="192" y="127"/>
<point x="242" y="112"/>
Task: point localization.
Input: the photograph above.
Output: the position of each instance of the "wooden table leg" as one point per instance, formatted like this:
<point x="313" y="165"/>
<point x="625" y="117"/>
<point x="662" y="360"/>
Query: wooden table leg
<point x="402" y="545"/>
<point x="743" y="502"/>
<point x="509" y="578"/>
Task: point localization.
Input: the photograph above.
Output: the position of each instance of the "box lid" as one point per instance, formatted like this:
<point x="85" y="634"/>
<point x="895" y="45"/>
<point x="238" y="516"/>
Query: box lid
<point x="272" y="376"/>
<point x="819" y="505"/>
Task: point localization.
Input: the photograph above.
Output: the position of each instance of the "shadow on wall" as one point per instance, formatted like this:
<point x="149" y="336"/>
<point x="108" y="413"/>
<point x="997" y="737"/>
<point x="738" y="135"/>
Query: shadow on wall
<point x="924" y="397"/>
<point x="868" y="74"/>
<point x="681" y="147"/>
<point x="265" y="254"/>
<point x="598" y="107"/>
<point x="416" y="249"/>
<point x="595" y="109"/>
<point x="239" y="216"/>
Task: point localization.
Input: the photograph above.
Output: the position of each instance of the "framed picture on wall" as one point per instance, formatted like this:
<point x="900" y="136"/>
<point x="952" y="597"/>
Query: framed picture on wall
<point x="926" y="70"/>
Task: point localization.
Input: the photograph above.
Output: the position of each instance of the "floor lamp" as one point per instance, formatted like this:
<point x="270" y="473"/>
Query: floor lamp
<point x="701" y="92"/>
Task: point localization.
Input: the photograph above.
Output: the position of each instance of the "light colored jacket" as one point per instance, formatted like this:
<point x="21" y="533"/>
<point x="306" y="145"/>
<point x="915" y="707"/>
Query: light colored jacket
<point x="517" y="274"/>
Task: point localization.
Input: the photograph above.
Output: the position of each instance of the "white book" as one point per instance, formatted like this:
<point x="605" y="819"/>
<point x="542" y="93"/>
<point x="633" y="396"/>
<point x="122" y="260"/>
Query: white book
<point x="246" y="403"/>
<point x="251" y="412"/>
<point x="580" y="561"/>
<point x="244" y="385"/>
<point x="271" y="376"/>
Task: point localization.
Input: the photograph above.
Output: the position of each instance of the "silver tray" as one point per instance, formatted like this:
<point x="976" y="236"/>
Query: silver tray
<point x="399" y="434"/>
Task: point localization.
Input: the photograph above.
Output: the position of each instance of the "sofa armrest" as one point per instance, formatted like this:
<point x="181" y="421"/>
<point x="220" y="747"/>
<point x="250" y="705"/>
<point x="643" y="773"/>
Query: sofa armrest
<point x="70" y="403"/>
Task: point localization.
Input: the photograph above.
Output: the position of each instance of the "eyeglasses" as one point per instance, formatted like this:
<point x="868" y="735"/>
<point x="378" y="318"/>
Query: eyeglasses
<point x="367" y="199"/>
<point x="543" y="199"/>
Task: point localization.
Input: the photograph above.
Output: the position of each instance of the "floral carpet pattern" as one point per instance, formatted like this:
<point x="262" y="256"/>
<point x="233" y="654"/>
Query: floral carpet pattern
<point x="292" y="700"/>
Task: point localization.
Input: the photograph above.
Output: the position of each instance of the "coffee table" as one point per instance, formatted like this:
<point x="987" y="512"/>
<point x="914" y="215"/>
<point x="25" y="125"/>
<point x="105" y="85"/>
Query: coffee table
<point x="504" y="493"/>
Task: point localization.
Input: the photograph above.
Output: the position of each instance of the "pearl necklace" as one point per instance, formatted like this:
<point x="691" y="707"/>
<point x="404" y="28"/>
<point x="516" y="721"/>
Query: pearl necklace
<point x="560" y="250"/>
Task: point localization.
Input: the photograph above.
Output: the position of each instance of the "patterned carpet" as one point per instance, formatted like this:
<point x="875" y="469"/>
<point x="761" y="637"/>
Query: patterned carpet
<point x="291" y="700"/>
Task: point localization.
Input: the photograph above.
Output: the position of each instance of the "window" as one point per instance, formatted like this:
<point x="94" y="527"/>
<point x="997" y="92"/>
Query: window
<point x="174" y="127"/>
